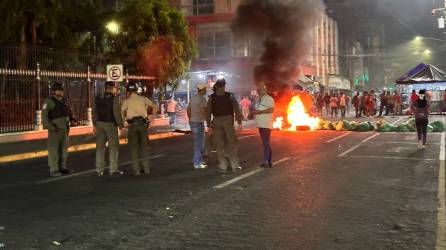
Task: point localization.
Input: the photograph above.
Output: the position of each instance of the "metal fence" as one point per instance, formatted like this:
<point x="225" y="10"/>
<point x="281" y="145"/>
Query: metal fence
<point x="27" y="73"/>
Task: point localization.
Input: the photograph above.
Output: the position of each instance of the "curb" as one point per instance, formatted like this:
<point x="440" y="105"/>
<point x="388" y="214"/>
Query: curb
<point x="78" y="148"/>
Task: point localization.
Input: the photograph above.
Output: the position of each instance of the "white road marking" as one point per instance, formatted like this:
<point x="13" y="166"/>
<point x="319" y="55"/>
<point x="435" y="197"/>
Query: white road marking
<point x="243" y="176"/>
<point x="441" y="212"/>
<point x="338" y="137"/>
<point x="403" y="142"/>
<point x="391" y="157"/>
<point x="358" y="145"/>
<point x="281" y="160"/>
<point x="87" y="172"/>
<point x="247" y="136"/>
<point x="395" y="122"/>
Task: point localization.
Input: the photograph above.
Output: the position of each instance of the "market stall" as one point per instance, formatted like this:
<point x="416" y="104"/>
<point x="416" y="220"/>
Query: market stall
<point x="428" y="77"/>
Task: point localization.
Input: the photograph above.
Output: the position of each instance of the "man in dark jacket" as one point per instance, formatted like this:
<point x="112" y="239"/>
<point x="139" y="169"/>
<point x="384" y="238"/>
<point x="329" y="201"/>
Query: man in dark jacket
<point x="221" y="107"/>
<point x="56" y="117"/>
<point x="106" y="120"/>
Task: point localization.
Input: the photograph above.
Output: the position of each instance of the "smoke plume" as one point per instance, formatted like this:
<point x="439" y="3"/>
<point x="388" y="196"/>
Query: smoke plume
<point x="283" y="26"/>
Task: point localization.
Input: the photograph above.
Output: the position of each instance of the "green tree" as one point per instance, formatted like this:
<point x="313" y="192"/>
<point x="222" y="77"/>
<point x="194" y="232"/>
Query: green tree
<point x="153" y="40"/>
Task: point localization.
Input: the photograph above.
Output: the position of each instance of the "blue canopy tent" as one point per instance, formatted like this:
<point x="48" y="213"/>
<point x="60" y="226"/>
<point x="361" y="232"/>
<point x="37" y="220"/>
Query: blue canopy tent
<point x="428" y="77"/>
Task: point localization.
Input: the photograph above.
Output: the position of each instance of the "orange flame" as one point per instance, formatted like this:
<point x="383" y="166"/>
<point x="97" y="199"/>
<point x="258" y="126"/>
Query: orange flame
<point x="297" y="117"/>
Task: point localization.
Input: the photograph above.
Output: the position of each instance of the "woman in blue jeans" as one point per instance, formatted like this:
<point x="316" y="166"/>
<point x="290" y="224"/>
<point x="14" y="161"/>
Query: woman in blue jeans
<point x="264" y="109"/>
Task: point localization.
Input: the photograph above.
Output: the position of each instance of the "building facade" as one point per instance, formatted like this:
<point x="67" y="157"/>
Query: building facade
<point x="222" y="54"/>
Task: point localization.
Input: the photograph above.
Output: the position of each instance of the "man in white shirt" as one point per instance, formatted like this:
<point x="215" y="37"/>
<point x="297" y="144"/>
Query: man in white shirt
<point x="264" y="109"/>
<point x="196" y="111"/>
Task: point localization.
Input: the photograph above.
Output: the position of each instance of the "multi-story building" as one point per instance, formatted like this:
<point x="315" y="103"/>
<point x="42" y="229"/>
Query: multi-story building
<point x="222" y="53"/>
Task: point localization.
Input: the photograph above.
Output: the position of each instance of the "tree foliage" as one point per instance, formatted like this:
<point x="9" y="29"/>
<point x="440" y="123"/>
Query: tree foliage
<point x="154" y="40"/>
<point x="148" y="29"/>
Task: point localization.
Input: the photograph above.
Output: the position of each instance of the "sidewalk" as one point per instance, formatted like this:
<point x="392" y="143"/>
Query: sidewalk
<point x="31" y="145"/>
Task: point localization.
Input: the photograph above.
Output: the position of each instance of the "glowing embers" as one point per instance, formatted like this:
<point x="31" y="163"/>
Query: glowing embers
<point x="297" y="117"/>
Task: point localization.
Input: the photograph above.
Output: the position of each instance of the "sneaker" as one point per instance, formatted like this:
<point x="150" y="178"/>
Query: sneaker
<point x="201" y="166"/>
<point x="117" y="173"/>
<point x="66" y="171"/>
<point x="55" y="173"/>
<point x="423" y="146"/>
<point x="236" y="169"/>
<point x="101" y="173"/>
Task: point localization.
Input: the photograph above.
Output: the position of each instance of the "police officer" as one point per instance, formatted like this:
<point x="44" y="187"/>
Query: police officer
<point x="106" y="120"/>
<point x="221" y="107"/>
<point x="56" y="117"/>
<point x="135" y="112"/>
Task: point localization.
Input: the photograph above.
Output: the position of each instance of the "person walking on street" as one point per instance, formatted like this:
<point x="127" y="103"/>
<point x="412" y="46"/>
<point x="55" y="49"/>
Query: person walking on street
<point x="355" y="103"/>
<point x="221" y="107"/>
<point x="172" y="110"/>
<point x="397" y="102"/>
<point x="264" y="119"/>
<point x="56" y="117"/>
<point x="196" y="112"/>
<point x="334" y="106"/>
<point x="319" y="104"/>
<point x="135" y="111"/>
<point x="327" y="104"/>
<point x="106" y="120"/>
<point x="421" y="109"/>
<point x="383" y="104"/>
<point x="245" y="104"/>
<point x="390" y="104"/>
<point x="343" y="104"/>
<point x="363" y="104"/>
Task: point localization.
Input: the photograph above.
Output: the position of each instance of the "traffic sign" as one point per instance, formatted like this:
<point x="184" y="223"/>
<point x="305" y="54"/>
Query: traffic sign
<point x="115" y="73"/>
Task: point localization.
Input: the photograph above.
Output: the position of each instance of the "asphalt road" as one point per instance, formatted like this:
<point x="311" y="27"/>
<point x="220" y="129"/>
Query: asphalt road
<point x="327" y="190"/>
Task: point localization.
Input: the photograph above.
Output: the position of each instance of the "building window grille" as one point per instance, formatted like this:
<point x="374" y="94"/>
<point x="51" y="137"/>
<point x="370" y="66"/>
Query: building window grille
<point x="203" y="7"/>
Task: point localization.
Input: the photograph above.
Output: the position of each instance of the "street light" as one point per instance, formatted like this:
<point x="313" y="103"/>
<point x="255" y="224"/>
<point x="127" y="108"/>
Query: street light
<point x="427" y="52"/>
<point x="112" y="27"/>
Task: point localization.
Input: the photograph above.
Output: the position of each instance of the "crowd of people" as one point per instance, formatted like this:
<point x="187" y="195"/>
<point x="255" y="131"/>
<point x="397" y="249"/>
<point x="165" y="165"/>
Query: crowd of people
<point x="366" y="104"/>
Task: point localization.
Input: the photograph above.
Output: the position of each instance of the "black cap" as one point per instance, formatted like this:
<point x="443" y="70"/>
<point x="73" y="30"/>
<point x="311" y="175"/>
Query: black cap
<point x="220" y="83"/>
<point x="110" y="84"/>
<point x="57" y="86"/>
<point x="132" y="87"/>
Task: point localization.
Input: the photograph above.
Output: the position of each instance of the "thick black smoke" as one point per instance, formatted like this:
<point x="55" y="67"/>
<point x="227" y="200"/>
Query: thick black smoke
<point x="283" y="26"/>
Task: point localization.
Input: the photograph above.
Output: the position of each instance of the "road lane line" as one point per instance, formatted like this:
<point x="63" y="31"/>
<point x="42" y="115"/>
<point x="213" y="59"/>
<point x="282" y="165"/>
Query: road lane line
<point x="391" y="157"/>
<point x="87" y="172"/>
<point x="404" y="142"/>
<point x="247" y="136"/>
<point x="441" y="212"/>
<point x="395" y="122"/>
<point x="281" y="160"/>
<point x="243" y="176"/>
<point x="358" y="145"/>
<point x="338" y="137"/>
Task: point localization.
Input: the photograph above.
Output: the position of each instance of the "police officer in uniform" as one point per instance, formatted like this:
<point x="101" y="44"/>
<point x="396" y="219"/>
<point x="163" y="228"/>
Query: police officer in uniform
<point x="106" y="120"/>
<point x="56" y="117"/>
<point x="221" y="107"/>
<point x="135" y="112"/>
